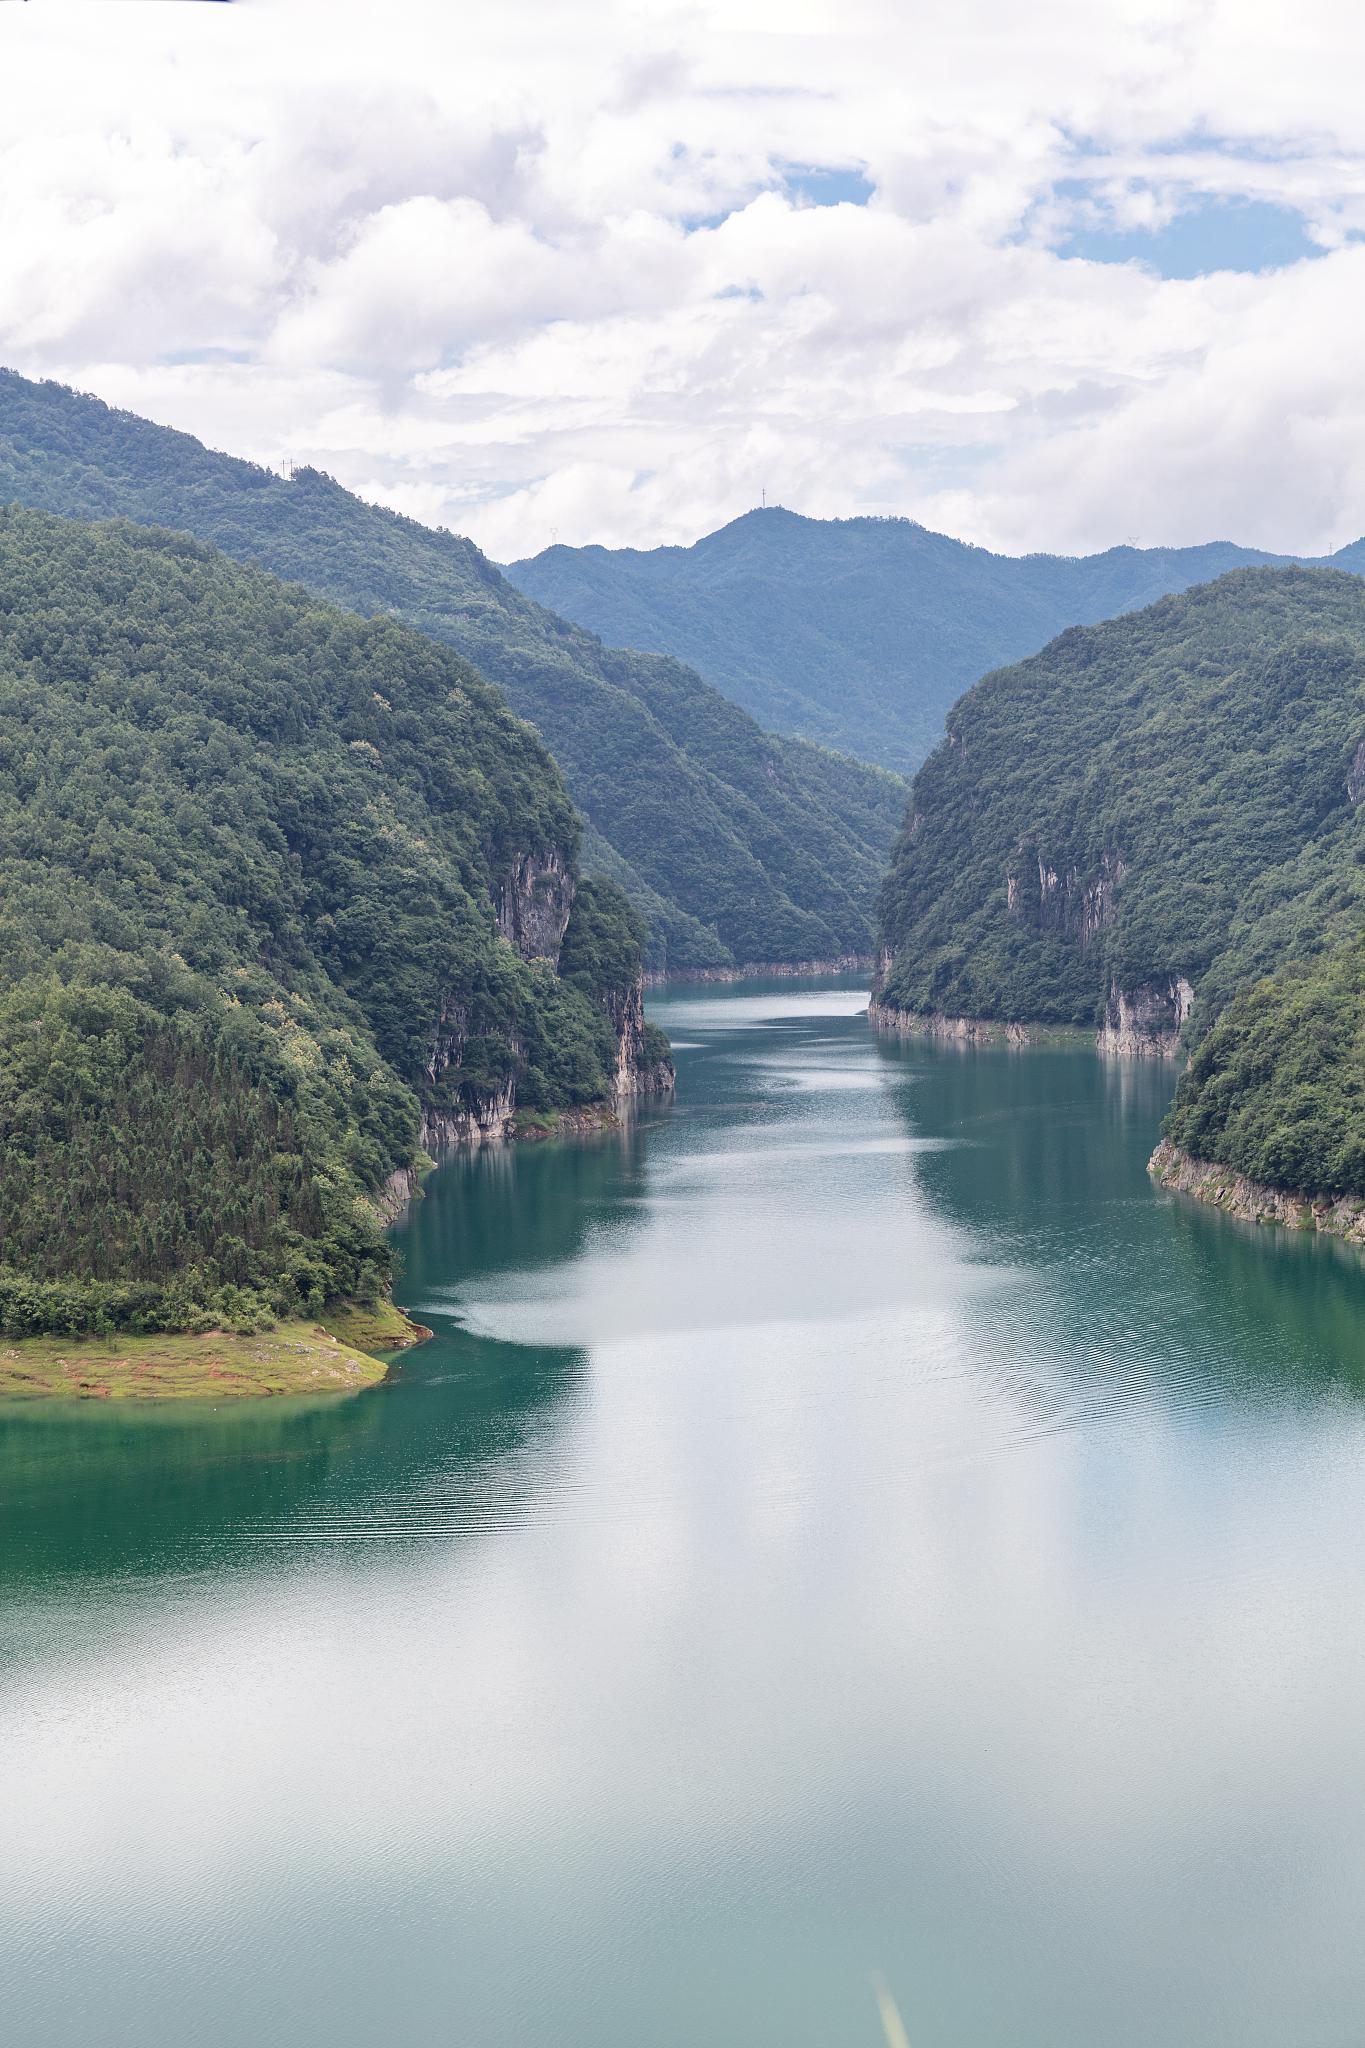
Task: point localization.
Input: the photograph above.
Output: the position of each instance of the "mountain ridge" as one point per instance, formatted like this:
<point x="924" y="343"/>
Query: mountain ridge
<point x="860" y="633"/>
<point x="737" y="844"/>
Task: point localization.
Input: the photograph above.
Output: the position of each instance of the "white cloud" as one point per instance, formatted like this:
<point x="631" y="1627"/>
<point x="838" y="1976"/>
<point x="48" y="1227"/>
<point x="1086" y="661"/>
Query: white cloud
<point x="542" y="271"/>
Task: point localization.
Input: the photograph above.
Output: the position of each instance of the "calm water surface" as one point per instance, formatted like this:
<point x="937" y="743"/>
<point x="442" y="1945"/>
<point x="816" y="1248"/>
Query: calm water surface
<point x="852" y="1523"/>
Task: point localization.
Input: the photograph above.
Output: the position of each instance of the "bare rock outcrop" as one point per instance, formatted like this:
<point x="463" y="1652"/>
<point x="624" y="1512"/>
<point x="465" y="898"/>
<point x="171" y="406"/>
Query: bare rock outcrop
<point x="534" y="903"/>
<point x="936" y="1024"/>
<point x="1225" y="1189"/>
<point x="1146" y="1022"/>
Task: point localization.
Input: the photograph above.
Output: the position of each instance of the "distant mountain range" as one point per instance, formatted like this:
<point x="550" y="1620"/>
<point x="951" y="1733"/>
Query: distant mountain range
<point x="858" y="634"/>
<point x="736" y="844"/>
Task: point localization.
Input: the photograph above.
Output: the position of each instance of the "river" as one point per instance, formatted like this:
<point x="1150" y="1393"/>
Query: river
<point x="850" y="1524"/>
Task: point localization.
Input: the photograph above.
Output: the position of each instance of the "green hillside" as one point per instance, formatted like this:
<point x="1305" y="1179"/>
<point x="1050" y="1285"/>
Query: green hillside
<point x="255" y="853"/>
<point x="856" y="633"/>
<point x="737" y="845"/>
<point x="1277" y="1088"/>
<point x="1173" y="797"/>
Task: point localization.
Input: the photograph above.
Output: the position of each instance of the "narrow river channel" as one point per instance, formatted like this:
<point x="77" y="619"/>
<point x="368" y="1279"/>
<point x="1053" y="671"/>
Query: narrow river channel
<point x="850" y="1523"/>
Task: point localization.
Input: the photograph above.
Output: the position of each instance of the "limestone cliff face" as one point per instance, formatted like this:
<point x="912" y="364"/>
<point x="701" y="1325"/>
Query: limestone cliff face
<point x="774" y="970"/>
<point x="1146" y="1021"/>
<point x="1253" y="1200"/>
<point x="1142" y="1022"/>
<point x="397" y="1191"/>
<point x="1055" y="897"/>
<point x="937" y="1024"/>
<point x="534" y="903"/>
<point x="486" y="1117"/>
<point x="1355" y="777"/>
<point x="636" y="1073"/>
<point x="489" y="1117"/>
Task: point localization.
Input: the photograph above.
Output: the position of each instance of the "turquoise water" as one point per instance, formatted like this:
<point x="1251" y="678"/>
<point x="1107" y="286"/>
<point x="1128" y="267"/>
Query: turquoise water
<point x="851" y="1523"/>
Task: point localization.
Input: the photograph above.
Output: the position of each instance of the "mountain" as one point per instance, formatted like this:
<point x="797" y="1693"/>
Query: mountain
<point x="284" y="893"/>
<point x="1274" y="1092"/>
<point x="1156" y="824"/>
<point x="857" y="633"/>
<point x="736" y="844"/>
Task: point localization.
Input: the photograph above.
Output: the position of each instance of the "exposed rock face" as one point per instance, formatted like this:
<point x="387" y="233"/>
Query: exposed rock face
<point x="533" y="908"/>
<point x="846" y="963"/>
<point x="1238" y="1196"/>
<point x="484" y="1123"/>
<point x="968" y="1030"/>
<point x="1146" y="1021"/>
<point x="397" y="1191"/>
<point x="1055" y="899"/>
<point x="489" y="1115"/>
<point x="534" y="904"/>
<point x="636" y="1074"/>
<point x="492" y="1117"/>
<point x="1355" y="778"/>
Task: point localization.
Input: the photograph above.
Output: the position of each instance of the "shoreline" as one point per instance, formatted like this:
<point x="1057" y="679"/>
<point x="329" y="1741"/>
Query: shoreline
<point x="527" y="1126"/>
<point x="1222" y="1187"/>
<point x="896" y="1023"/>
<point x="297" y="1357"/>
<point x="1130" y="1042"/>
<point x="759" y="970"/>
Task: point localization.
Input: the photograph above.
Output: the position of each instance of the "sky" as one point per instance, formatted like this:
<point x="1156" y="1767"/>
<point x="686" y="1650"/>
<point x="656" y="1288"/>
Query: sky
<point x="1047" y="277"/>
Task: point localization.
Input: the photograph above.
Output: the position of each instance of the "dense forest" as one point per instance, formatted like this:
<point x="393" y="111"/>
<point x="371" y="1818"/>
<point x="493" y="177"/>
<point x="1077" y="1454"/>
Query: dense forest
<point x="1276" y="1089"/>
<point x="736" y="845"/>
<point x="254" y="857"/>
<point x="1172" y="796"/>
<point x="1100" y="815"/>
<point x="856" y="633"/>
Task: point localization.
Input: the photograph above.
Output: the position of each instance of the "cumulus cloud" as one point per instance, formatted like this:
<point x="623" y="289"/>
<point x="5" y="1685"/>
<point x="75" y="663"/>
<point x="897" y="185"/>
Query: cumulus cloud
<point x="543" y="274"/>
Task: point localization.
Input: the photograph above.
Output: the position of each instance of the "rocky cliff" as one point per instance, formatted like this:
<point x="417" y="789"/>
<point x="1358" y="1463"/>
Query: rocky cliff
<point x="1143" y="1022"/>
<point x="1253" y="1200"/>
<point x="1054" y="895"/>
<point x="936" y="1024"/>
<point x="1146" y="1021"/>
<point x="534" y="904"/>
<point x="642" y="1067"/>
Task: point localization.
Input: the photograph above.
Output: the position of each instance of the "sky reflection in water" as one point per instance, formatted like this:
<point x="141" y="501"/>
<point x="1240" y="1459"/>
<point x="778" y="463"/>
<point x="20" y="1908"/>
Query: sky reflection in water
<point x="850" y="1521"/>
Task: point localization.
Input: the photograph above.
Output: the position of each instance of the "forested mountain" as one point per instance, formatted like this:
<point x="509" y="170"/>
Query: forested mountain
<point x="1158" y="822"/>
<point x="283" y="892"/>
<point x="736" y="844"/>
<point x="856" y="633"/>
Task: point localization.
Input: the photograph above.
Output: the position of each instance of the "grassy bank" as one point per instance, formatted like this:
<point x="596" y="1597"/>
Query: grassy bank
<point x="293" y="1358"/>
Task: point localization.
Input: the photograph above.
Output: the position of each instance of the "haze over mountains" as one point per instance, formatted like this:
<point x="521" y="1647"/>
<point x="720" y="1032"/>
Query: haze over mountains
<point x="736" y="844"/>
<point x="857" y="633"/>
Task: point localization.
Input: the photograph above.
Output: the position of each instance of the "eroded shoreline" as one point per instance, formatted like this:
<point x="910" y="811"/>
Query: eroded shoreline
<point x="1256" y="1202"/>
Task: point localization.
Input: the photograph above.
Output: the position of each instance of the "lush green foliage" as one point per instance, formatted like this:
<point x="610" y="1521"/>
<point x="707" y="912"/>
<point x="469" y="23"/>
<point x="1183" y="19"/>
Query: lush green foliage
<point x="1277" y="1088"/>
<point x="856" y="633"/>
<point x="1103" y="814"/>
<point x="250" y="847"/>
<point x="737" y="845"/>
<point x="1173" y="793"/>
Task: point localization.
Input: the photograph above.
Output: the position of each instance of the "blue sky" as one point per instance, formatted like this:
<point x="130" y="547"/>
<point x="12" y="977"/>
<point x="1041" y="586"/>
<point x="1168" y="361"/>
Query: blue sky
<point x="1206" y="235"/>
